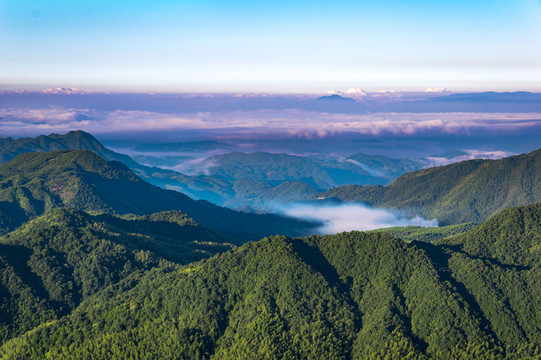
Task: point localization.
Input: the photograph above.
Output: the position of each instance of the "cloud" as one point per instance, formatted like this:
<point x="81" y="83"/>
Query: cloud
<point x="293" y="123"/>
<point x="437" y="90"/>
<point x="348" y="217"/>
<point x="469" y="155"/>
<point x="351" y="92"/>
<point x="64" y="91"/>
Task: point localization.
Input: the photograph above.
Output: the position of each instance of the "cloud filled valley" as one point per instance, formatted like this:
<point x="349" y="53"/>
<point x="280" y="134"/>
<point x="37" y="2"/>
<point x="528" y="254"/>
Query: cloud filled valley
<point x="337" y="218"/>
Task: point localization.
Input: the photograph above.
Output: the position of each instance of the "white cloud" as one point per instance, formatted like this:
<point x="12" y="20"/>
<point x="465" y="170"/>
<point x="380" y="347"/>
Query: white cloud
<point x="348" y="217"/>
<point x="63" y="91"/>
<point x="470" y="155"/>
<point x="356" y="92"/>
<point x="266" y="123"/>
<point x="437" y="90"/>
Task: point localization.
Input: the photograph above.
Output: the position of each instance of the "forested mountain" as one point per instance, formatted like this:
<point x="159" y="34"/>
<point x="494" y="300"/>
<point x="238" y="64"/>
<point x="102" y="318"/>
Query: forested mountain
<point x="54" y="262"/>
<point x="469" y="191"/>
<point x="384" y="166"/>
<point x="345" y="296"/>
<point x="275" y="167"/>
<point x="236" y="180"/>
<point x="73" y="140"/>
<point x="425" y="234"/>
<point x="33" y="183"/>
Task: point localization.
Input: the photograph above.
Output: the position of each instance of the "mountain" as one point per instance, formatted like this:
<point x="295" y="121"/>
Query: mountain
<point x="254" y="195"/>
<point x="468" y="191"/>
<point x="430" y="234"/>
<point x="345" y="296"/>
<point x="383" y="166"/>
<point x="512" y="237"/>
<point x="275" y="168"/>
<point x="80" y="140"/>
<point x="248" y="181"/>
<point x="519" y="102"/>
<point x="225" y="181"/>
<point x="56" y="261"/>
<point x="73" y="140"/>
<point x="335" y="98"/>
<point x="33" y="183"/>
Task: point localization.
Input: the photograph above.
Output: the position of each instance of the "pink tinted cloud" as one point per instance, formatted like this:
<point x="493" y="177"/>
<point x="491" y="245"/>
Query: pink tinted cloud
<point x="294" y="123"/>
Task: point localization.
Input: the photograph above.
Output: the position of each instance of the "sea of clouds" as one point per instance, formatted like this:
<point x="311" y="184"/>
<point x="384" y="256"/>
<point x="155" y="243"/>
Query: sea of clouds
<point x="289" y="122"/>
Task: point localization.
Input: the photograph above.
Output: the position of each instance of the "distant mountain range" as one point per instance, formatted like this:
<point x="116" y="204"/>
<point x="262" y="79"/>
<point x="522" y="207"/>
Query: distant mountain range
<point x="190" y="103"/>
<point x="237" y="180"/>
<point x="33" y="183"/>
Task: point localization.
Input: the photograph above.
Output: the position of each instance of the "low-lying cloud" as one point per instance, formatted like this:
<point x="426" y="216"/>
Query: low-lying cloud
<point x="348" y="217"/>
<point x="293" y="123"/>
<point x="468" y="155"/>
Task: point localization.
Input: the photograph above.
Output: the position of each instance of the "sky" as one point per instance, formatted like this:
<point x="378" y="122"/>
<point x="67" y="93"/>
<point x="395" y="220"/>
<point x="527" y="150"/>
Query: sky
<point x="270" y="46"/>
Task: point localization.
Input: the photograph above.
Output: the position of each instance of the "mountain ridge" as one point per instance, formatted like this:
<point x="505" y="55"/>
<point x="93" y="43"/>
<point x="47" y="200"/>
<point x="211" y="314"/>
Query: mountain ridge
<point x="36" y="182"/>
<point x="468" y="191"/>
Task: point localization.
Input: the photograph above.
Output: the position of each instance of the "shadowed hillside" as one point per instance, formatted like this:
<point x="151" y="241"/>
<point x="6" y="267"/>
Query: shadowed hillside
<point x="33" y="183"/>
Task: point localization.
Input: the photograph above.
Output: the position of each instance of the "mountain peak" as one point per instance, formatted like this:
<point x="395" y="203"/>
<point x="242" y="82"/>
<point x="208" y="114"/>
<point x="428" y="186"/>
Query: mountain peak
<point x="335" y="98"/>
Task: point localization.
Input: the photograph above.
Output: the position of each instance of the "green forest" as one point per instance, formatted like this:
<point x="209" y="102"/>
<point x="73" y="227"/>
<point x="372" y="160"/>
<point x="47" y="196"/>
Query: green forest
<point x="95" y="263"/>
<point x="90" y="290"/>
<point x="467" y="191"/>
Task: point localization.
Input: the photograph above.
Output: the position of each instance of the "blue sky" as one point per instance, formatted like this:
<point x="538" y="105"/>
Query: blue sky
<point x="270" y="46"/>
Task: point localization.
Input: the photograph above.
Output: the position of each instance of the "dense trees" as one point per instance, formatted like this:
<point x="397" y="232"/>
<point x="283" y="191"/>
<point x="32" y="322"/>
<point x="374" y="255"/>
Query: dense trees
<point x="350" y="295"/>
<point x="469" y="191"/>
<point x="151" y="282"/>
<point x="33" y="183"/>
<point x="56" y="261"/>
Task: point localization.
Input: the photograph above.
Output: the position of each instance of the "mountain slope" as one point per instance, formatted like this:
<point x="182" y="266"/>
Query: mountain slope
<point x="351" y="295"/>
<point x="383" y="166"/>
<point x="234" y="179"/>
<point x="56" y="261"/>
<point x="32" y="183"/>
<point x="200" y="187"/>
<point x="73" y="140"/>
<point x="469" y="191"/>
<point x="275" y="168"/>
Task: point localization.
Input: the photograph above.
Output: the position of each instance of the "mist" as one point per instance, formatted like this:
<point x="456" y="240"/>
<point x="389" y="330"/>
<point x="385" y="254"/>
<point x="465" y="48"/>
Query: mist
<point x="347" y="217"/>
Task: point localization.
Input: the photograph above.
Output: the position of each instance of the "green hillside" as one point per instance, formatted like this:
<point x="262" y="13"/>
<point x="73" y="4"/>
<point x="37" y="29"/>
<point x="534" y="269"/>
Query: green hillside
<point x="33" y="183"/>
<point x="469" y="191"/>
<point x="345" y="296"/>
<point x="264" y="166"/>
<point x="53" y="263"/>
<point x="73" y="140"/>
<point x="426" y="234"/>
<point x="386" y="167"/>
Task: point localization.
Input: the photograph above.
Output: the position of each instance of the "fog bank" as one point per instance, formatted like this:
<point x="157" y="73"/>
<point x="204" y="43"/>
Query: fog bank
<point x="347" y="217"/>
